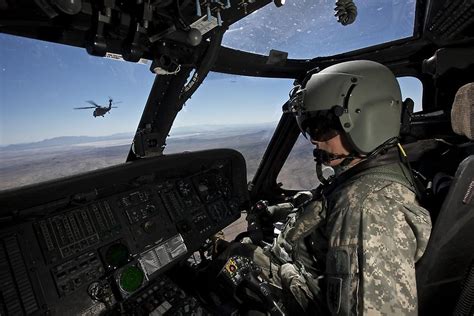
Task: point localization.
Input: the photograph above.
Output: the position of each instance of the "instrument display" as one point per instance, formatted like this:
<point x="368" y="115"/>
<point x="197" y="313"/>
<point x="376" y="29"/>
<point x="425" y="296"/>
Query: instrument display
<point x="82" y="244"/>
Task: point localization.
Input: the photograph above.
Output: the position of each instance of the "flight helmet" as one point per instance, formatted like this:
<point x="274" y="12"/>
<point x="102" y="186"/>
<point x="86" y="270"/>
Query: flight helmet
<point x="360" y="98"/>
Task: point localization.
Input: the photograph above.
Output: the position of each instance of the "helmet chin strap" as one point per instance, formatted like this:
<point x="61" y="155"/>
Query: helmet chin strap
<point x="323" y="157"/>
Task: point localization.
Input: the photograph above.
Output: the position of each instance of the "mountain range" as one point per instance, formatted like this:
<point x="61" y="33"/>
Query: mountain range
<point x="197" y="131"/>
<point x="22" y="164"/>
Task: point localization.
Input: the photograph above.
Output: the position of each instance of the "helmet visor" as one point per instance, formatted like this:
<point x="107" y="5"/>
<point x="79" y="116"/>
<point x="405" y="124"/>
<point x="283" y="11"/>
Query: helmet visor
<point x="320" y="126"/>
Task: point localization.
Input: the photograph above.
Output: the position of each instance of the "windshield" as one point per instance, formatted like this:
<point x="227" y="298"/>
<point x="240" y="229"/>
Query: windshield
<point x="64" y="111"/>
<point x="42" y="136"/>
<point x="230" y="111"/>
<point x="308" y="28"/>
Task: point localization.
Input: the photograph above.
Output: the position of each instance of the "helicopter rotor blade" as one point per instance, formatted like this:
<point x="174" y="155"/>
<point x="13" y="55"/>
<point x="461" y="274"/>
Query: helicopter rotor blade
<point x="86" y="107"/>
<point x="114" y="107"/>
<point x="93" y="103"/>
<point x="116" y="102"/>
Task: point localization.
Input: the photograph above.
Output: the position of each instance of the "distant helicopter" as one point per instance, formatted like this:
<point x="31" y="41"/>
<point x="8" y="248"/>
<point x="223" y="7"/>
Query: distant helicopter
<point x="99" y="110"/>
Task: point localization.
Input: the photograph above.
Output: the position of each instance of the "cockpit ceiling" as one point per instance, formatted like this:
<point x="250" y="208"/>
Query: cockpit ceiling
<point x="268" y="41"/>
<point x="134" y="30"/>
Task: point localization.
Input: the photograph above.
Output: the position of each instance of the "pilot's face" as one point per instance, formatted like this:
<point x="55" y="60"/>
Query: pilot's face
<point x="335" y="145"/>
<point x="325" y="132"/>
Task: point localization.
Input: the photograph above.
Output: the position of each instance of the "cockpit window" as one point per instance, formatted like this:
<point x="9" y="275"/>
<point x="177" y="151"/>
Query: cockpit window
<point x="308" y="28"/>
<point x="229" y="111"/>
<point x="412" y="88"/>
<point x="42" y="136"/>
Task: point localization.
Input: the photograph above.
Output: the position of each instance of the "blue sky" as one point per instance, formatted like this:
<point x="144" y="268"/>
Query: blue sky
<point x="41" y="82"/>
<point x="308" y="28"/>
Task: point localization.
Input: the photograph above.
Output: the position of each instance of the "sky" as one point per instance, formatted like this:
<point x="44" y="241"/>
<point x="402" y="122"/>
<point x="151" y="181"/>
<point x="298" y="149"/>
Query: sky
<point x="41" y="82"/>
<point x="308" y="28"/>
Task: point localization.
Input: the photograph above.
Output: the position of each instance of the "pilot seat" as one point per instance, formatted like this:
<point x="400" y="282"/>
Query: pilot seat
<point x="445" y="274"/>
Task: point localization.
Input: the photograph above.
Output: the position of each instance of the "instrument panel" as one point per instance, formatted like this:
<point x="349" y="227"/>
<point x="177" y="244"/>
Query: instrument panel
<point x="101" y="242"/>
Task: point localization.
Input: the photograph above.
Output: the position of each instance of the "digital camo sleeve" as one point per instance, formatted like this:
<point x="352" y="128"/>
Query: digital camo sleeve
<point x="372" y="255"/>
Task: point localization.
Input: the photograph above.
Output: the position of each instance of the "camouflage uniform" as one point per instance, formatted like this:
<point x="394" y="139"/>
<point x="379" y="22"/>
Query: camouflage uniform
<point x="355" y="251"/>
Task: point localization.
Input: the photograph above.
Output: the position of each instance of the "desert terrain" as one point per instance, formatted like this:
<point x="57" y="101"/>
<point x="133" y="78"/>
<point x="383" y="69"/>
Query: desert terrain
<point x="25" y="164"/>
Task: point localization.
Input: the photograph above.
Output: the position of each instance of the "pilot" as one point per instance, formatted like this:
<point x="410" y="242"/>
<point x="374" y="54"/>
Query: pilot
<point x="353" y="251"/>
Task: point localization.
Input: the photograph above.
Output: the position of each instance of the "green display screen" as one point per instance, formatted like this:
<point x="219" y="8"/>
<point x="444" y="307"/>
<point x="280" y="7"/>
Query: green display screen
<point x="131" y="279"/>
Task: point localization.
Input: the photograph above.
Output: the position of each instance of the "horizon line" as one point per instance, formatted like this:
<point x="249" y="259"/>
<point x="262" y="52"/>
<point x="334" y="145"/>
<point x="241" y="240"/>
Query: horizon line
<point x="132" y="132"/>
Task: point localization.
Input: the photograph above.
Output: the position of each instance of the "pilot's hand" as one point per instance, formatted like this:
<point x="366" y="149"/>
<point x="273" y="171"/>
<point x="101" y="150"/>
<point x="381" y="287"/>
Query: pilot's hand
<point x="302" y="198"/>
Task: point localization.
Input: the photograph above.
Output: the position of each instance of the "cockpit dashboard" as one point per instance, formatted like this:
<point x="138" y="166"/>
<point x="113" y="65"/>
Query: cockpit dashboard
<point x="101" y="242"/>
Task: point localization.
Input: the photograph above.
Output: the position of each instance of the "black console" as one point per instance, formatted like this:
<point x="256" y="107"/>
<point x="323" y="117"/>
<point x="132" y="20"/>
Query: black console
<point x="100" y="242"/>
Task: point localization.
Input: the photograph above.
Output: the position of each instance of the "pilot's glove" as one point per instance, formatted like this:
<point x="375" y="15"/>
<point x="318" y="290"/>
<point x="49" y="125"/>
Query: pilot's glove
<point x="302" y="198"/>
<point x="279" y="212"/>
